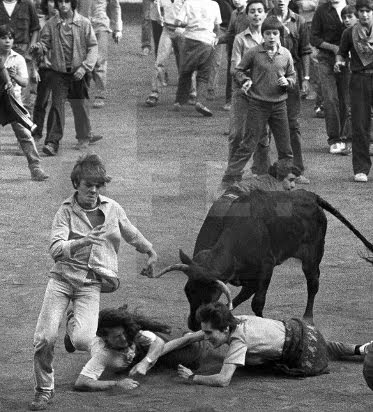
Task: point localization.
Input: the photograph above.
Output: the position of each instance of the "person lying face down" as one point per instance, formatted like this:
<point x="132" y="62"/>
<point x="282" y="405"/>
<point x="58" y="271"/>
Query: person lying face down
<point x="130" y="342"/>
<point x="293" y="347"/>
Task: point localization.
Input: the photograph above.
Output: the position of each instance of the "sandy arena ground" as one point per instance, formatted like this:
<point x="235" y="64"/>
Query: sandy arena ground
<point x="166" y="167"/>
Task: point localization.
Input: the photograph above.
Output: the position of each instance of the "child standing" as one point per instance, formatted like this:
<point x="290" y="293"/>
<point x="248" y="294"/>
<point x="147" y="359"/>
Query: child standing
<point x="272" y="73"/>
<point x="17" y="69"/>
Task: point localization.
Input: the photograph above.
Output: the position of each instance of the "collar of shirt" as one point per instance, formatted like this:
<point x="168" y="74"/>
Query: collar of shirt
<point x="102" y="200"/>
<point x="262" y="49"/>
<point x="77" y="18"/>
<point x="11" y="55"/>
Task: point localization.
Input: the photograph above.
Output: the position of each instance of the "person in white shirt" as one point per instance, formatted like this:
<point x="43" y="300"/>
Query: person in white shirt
<point x="201" y="20"/>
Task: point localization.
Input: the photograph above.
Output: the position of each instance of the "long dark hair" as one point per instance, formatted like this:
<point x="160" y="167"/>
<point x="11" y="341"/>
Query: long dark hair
<point x="132" y="323"/>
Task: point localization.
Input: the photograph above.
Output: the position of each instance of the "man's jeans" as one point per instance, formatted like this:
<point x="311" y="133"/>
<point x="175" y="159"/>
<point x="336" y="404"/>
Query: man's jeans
<point x="64" y="87"/>
<point x="261" y="114"/>
<point x="82" y="328"/>
<point x="195" y="56"/>
<point x="99" y="73"/>
<point x="27" y="143"/>
<point x="361" y="93"/>
<point x="335" y="93"/>
<point x="146" y="26"/>
<point x="41" y="102"/>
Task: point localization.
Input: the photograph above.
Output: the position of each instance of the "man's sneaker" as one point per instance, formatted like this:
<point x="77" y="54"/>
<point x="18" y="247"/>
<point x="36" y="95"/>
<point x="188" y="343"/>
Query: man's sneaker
<point x="192" y="100"/>
<point x="41" y="400"/>
<point x="203" y="109"/>
<point x="319" y="112"/>
<point x="146" y="51"/>
<point x="82" y="144"/>
<point x="67" y="341"/>
<point x="302" y="180"/>
<point x="371" y="149"/>
<point x="337" y="148"/>
<point x="361" y="178"/>
<point x="347" y="150"/>
<point x="49" y="150"/>
<point x="177" y="107"/>
<point x="364" y="348"/>
<point x="95" y="138"/>
<point x="99" y="102"/>
<point x="38" y="174"/>
<point x="227" y="107"/>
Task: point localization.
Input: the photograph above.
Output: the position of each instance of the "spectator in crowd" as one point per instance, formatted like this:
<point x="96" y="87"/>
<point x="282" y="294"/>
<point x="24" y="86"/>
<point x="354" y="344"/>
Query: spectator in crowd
<point x="326" y="31"/>
<point x="22" y="17"/>
<point x="356" y="41"/>
<point x="250" y="37"/>
<point x="96" y="12"/>
<point x="130" y="341"/>
<point x="170" y="40"/>
<point x="43" y="74"/>
<point x="16" y="78"/>
<point x="85" y="239"/>
<point x="72" y="44"/>
<point x="226" y="8"/>
<point x="292" y="347"/>
<point x="201" y="19"/>
<point x="265" y="73"/>
<point x="296" y="40"/>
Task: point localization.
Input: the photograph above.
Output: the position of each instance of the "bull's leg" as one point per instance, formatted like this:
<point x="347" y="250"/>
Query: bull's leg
<point x="312" y="274"/>
<point x="244" y="294"/>
<point x="259" y="299"/>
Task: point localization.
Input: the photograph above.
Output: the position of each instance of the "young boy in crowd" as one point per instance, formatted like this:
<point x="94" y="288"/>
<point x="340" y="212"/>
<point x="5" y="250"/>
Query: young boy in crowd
<point x="356" y="41"/>
<point x="271" y="74"/>
<point x="17" y="70"/>
<point x="201" y="19"/>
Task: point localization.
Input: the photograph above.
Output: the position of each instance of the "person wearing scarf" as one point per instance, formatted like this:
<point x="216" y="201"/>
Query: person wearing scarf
<point x="358" y="42"/>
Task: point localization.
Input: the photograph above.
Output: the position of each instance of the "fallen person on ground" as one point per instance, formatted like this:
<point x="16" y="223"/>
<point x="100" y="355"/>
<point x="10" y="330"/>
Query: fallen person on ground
<point x="292" y="347"/>
<point x="130" y="342"/>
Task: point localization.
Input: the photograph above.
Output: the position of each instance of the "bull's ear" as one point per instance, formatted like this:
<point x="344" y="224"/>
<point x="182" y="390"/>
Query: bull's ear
<point x="184" y="258"/>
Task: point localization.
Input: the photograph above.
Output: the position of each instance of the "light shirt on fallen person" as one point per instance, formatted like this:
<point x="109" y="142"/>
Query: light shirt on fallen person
<point x="200" y="17"/>
<point x="255" y="341"/>
<point x="103" y="357"/>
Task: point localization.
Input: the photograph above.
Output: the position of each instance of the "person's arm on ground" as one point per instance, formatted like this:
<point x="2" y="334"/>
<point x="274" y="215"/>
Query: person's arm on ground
<point x="183" y="341"/>
<point x="222" y="379"/>
<point x="154" y="352"/>
<point x="86" y="384"/>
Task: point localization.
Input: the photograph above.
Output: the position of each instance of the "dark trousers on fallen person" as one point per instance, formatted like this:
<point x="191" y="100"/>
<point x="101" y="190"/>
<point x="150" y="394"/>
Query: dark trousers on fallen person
<point x="194" y="56"/>
<point x="261" y="113"/>
<point x="64" y="87"/>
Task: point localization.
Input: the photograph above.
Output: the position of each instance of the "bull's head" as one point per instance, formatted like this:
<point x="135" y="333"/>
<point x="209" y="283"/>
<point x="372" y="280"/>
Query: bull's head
<point x="203" y="286"/>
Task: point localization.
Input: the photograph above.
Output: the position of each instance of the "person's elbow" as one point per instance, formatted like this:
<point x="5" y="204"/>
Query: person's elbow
<point x="83" y="384"/>
<point x="223" y="381"/>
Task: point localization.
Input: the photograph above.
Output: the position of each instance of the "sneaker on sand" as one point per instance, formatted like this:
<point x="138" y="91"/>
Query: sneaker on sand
<point x="192" y="100"/>
<point x="38" y="175"/>
<point x="82" y="144"/>
<point x="347" y="150"/>
<point x="99" y="102"/>
<point x="361" y="178"/>
<point x="302" y="180"/>
<point x="41" y="400"/>
<point x="337" y="148"/>
<point x="95" y="138"/>
<point x="203" y="109"/>
<point x="49" y="150"/>
<point x="67" y="341"/>
<point x="364" y="348"/>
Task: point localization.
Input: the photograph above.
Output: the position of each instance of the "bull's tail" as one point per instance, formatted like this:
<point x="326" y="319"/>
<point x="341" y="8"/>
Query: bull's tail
<point x="328" y="207"/>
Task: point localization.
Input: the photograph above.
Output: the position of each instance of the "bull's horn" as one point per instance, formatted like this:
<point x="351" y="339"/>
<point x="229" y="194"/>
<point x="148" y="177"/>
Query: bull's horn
<point x="178" y="266"/>
<point x="224" y="288"/>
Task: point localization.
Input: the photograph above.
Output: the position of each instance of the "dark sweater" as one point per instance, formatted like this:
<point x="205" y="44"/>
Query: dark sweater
<point x="346" y="46"/>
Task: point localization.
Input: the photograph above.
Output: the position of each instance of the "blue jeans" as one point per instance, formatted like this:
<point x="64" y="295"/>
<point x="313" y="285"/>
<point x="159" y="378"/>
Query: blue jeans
<point x="146" y="25"/>
<point x="334" y="88"/>
<point x="261" y="114"/>
<point x="361" y="93"/>
<point x="82" y="327"/>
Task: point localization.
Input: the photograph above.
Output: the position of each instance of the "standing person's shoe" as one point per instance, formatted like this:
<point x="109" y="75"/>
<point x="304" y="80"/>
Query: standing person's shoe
<point x="347" y="150"/>
<point x="99" y="102"/>
<point x="337" y="148"/>
<point x="361" y="178"/>
<point x="192" y="100"/>
<point x="41" y="400"/>
<point x="82" y="144"/>
<point x="95" y="138"/>
<point x="38" y="174"/>
<point x="146" y="51"/>
<point x="203" y="109"/>
<point x="152" y="99"/>
<point x="49" y="150"/>
<point x="66" y="340"/>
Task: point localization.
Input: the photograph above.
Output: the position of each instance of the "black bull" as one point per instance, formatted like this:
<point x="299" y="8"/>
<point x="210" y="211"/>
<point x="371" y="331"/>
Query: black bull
<point x="243" y="239"/>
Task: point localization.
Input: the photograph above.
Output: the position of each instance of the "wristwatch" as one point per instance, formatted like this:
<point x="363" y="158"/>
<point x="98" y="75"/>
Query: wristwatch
<point x="306" y="77"/>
